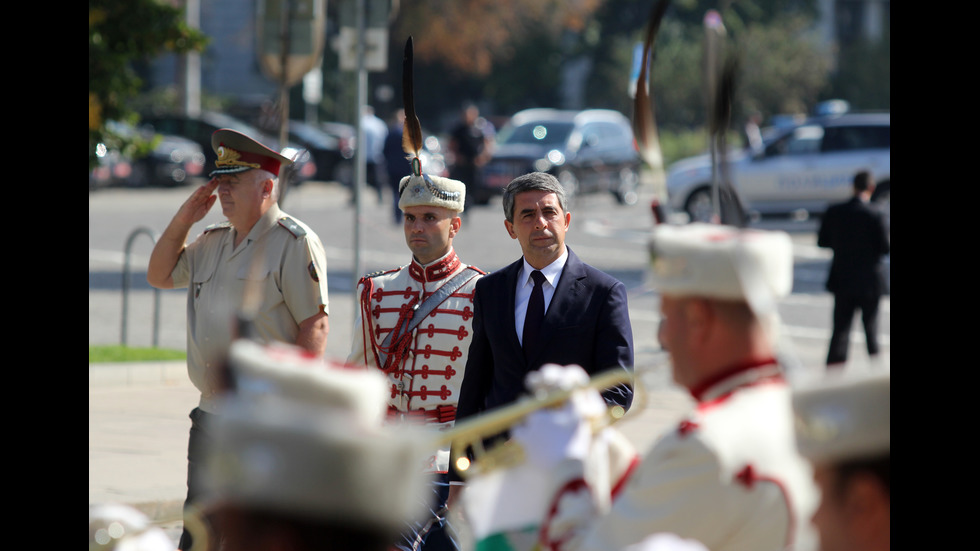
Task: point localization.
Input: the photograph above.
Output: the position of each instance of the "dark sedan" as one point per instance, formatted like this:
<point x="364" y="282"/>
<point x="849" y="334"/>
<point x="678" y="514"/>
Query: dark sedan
<point x="589" y="151"/>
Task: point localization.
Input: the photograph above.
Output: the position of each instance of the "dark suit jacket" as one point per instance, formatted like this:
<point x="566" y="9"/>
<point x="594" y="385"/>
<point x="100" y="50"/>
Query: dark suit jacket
<point x="857" y="233"/>
<point x="587" y="323"/>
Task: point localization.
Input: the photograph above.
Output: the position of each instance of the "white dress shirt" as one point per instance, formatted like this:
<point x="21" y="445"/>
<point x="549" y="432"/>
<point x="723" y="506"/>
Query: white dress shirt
<point x="552" y="273"/>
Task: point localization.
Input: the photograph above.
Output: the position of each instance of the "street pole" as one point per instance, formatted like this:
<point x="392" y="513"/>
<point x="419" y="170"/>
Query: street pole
<point x="190" y="65"/>
<point x="360" y="161"/>
<point x="284" y="24"/>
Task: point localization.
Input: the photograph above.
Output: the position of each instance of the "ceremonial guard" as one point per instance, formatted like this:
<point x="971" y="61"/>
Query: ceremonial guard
<point x="414" y="323"/>
<point x="729" y="475"/>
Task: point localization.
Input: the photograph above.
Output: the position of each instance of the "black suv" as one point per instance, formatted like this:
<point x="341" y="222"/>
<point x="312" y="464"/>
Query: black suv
<point x="588" y="151"/>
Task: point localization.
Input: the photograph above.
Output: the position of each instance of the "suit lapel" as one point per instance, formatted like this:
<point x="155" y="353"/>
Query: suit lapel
<point x="567" y="297"/>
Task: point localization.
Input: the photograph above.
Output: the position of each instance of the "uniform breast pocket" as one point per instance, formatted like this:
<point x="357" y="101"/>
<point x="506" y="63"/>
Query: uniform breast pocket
<point x="202" y="279"/>
<point x="259" y="281"/>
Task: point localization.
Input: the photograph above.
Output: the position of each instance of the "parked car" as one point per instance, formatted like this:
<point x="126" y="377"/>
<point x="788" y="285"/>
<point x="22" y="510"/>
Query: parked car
<point x="346" y="135"/>
<point x="170" y="162"/>
<point x="589" y="151"/>
<point x="199" y="129"/>
<point x="331" y="153"/>
<point x="173" y="161"/>
<point x="113" y="167"/>
<point x="433" y="159"/>
<point x="804" y="168"/>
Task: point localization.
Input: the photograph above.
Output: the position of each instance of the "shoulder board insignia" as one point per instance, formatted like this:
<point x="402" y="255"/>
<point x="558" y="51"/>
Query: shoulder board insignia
<point x="226" y="225"/>
<point x="292" y="226"/>
<point x="474" y="268"/>
<point x="381" y="272"/>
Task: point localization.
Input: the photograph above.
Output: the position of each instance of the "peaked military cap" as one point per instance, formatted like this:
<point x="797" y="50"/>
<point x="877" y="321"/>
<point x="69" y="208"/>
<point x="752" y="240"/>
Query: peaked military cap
<point x="238" y="153"/>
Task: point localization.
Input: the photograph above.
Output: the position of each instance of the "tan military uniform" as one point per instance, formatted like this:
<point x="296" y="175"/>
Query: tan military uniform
<point x="281" y="259"/>
<point x="728" y="477"/>
<point x="424" y="369"/>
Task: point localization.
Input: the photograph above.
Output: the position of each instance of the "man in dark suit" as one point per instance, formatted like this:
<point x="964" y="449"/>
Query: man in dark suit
<point x="858" y="234"/>
<point x="586" y="318"/>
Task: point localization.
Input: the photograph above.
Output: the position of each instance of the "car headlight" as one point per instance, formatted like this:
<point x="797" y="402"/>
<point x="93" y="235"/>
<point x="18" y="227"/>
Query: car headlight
<point x="556" y="157"/>
<point x="551" y="159"/>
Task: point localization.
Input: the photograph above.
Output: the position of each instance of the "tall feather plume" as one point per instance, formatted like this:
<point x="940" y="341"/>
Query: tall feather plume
<point x="722" y="66"/>
<point x="644" y="122"/>
<point x="412" y="133"/>
<point x="732" y="211"/>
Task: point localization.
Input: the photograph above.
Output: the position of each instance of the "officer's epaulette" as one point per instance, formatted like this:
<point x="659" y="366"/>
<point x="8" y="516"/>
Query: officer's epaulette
<point x="381" y="272"/>
<point x="292" y="226"/>
<point x="226" y="225"/>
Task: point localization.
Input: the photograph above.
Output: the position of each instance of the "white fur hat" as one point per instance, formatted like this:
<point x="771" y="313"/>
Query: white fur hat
<point x="722" y="262"/>
<point x="431" y="190"/>
<point x="302" y="436"/>
<point x="844" y="417"/>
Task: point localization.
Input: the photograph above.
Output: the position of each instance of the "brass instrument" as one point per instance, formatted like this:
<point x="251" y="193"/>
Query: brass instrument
<point x="469" y="433"/>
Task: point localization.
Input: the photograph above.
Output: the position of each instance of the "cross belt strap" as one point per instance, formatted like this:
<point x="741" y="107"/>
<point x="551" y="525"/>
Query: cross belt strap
<point x="423" y="309"/>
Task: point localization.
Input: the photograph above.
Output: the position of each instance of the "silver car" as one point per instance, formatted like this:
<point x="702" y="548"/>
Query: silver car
<point x="801" y="169"/>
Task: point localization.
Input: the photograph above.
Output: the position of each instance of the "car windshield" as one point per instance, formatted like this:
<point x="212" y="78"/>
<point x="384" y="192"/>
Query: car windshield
<point x="310" y="135"/>
<point x="537" y="132"/>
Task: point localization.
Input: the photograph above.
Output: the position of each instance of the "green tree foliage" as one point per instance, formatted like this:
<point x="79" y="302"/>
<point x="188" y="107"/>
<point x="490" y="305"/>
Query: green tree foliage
<point x="863" y="75"/>
<point x="510" y="54"/>
<point x="781" y="66"/>
<point x="783" y="69"/>
<point x="120" y="34"/>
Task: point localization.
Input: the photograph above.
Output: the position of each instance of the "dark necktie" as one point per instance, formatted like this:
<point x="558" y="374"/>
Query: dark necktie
<point x="535" y="313"/>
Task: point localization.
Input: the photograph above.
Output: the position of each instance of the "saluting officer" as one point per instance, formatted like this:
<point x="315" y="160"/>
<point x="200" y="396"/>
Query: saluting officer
<point x="415" y="325"/>
<point x="259" y="253"/>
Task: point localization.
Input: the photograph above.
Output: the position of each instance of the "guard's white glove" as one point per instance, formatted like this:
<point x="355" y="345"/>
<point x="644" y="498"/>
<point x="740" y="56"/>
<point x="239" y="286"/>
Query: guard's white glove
<point x="551" y="435"/>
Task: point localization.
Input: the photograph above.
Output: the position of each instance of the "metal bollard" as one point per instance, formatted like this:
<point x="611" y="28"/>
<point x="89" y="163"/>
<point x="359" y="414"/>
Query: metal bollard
<point x="125" y="287"/>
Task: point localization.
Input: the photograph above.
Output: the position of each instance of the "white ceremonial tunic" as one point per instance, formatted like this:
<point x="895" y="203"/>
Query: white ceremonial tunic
<point x="281" y="261"/>
<point x="729" y="476"/>
<point x="424" y="371"/>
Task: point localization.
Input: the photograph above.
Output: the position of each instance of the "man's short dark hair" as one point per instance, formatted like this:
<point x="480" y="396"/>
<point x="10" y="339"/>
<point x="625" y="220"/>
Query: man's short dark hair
<point x="534" y="181"/>
<point x="863" y="181"/>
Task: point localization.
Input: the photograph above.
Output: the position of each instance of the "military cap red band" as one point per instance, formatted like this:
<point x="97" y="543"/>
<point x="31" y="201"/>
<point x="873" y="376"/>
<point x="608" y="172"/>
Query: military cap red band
<point x="238" y="153"/>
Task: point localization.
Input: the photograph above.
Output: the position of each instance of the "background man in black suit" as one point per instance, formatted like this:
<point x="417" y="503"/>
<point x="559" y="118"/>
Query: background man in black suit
<point x="858" y="235"/>
<point x="586" y="319"/>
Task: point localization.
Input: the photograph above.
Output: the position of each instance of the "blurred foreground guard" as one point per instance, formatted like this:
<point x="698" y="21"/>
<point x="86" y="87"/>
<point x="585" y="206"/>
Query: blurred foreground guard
<point x="857" y="233"/>
<point x="272" y="260"/>
<point x="301" y="460"/>
<point x="843" y="426"/>
<point x="729" y="477"/>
